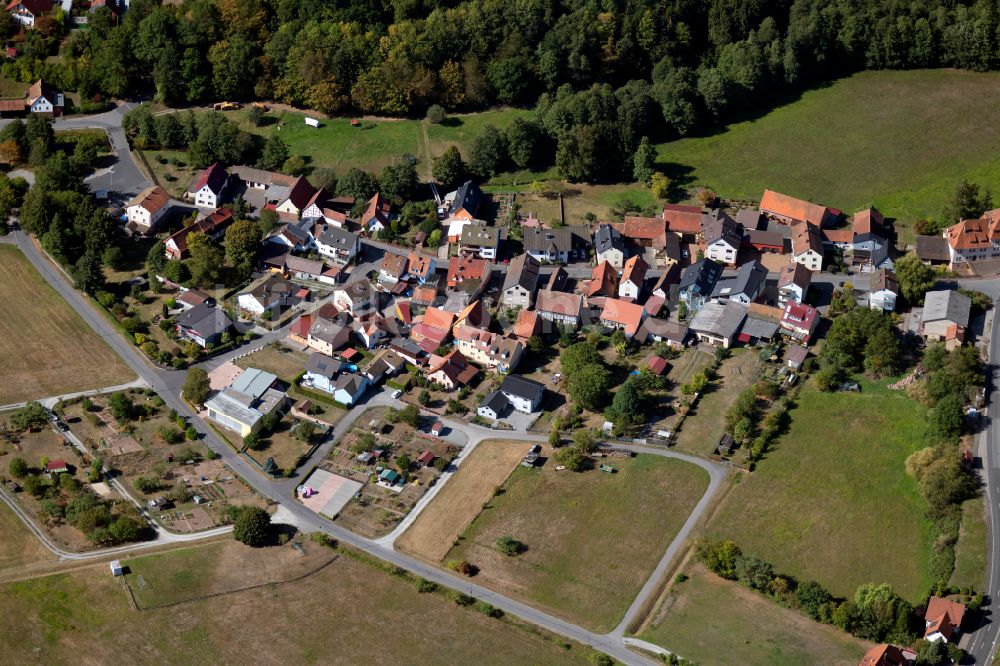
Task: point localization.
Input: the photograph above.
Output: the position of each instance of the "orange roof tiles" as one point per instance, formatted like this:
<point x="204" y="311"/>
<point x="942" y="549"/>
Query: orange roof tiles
<point x="629" y="315"/>
<point x="972" y="234"/>
<point x="783" y="205"/>
<point x="644" y="228"/>
<point x="603" y="280"/>
<point x="682" y="219"/>
<point x="439" y="319"/>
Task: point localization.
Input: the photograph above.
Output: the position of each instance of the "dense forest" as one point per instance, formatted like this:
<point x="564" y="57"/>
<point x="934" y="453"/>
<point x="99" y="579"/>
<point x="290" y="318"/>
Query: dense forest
<point x="603" y="73"/>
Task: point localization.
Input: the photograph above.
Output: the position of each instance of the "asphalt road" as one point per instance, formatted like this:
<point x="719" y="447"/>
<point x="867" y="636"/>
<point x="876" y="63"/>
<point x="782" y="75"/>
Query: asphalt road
<point x="982" y="643"/>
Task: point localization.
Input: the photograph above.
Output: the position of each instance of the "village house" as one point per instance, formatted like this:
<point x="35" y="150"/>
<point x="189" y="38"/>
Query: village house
<point x="603" y="282"/>
<point x="974" y="240"/>
<point x="321" y="371"/>
<point x="807" y="246"/>
<point x="943" y="619"/>
<point x="213" y="225"/>
<point x="559" y="307"/>
<point x="26" y="12"/>
<point x="884" y="290"/>
<point x="349" y="388"/>
<point x="793" y="283"/>
<point x="789" y="210"/>
<point x="722" y="237"/>
<point x="480" y="241"/>
<point x="433" y="329"/>
<point x="299" y="194"/>
<point x="490" y="350"/>
<point x="336" y="244"/>
<point x="945" y="317"/>
<point x="515" y="392"/>
<point x="557" y="245"/>
<point x="407" y="350"/>
<point x="934" y="250"/>
<point x="475" y="314"/>
<point x="718" y="323"/>
<point x="745" y="286"/>
<point x="272" y="294"/>
<point x="609" y="246"/>
<point x="683" y="221"/>
<point x="371" y="332"/>
<point x="203" y="324"/>
<point x="870" y="246"/>
<point x="207" y="187"/>
<point x="461" y="208"/>
<point x="377" y="215"/>
<point x="451" y="371"/>
<point x="698" y="282"/>
<point x="420" y="267"/>
<point x="633" y="278"/>
<point x="358" y="298"/>
<point x="469" y="274"/>
<point x="654" y="329"/>
<point x="624" y="315"/>
<point x="147" y="209"/>
<point x="528" y="325"/>
<point x="301" y="268"/>
<point x="296" y="236"/>
<point x="328" y="333"/>
<point x="766" y="241"/>
<point x="392" y="268"/>
<point x="761" y="325"/>
<point x="651" y="236"/>
<point x="888" y="655"/>
<point x="520" y="282"/>
<point x="243" y="404"/>
<point x="795" y="356"/>
<point x="799" y="322"/>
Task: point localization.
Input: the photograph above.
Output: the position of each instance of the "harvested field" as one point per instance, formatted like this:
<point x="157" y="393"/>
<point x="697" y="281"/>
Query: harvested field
<point x="434" y="533"/>
<point x="45" y="347"/>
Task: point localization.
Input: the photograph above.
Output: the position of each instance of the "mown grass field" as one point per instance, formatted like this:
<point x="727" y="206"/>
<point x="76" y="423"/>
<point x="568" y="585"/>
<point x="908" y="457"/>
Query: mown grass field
<point x="900" y="140"/>
<point x="347" y="613"/>
<point x="592" y="538"/>
<point x="45" y="347"/>
<point x="713" y="621"/>
<point x="825" y="499"/>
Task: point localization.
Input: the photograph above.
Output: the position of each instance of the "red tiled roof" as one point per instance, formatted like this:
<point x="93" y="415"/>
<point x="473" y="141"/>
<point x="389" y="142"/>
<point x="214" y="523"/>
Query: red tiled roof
<point x="643" y="228"/>
<point x="214" y="176"/>
<point x="419" y="264"/>
<point x="682" y="219"/>
<point x="883" y="655"/>
<point x="603" y="280"/>
<point x="943" y="615"/>
<point x="657" y="364"/>
<point x="635" y="270"/>
<point x="301" y="192"/>
<point x="54" y="465"/>
<point x="972" y="234"/>
<point x="467" y="268"/>
<point x="36" y="7"/>
<point x="439" y="319"/>
<point x="527" y="324"/>
<point x="792" y="208"/>
<point x="839" y="235"/>
<point x="301" y="326"/>
<point x="403" y="308"/>
<point x="867" y="221"/>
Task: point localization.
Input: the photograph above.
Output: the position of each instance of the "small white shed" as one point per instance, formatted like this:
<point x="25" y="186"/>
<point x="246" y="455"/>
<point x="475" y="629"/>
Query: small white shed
<point x="116" y="568"/>
<point x="312" y="122"/>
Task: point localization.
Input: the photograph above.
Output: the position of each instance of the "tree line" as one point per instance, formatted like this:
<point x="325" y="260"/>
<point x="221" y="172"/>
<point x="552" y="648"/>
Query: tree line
<point x="681" y="65"/>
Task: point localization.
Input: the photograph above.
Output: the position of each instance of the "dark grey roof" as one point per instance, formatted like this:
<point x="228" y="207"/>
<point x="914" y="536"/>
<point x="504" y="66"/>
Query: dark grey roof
<point x="468" y="197"/>
<point x="205" y="320"/>
<point x="933" y="248"/>
<point x="563" y="239"/>
<point x="662" y="328"/>
<point x="701" y="277"/>
<point x="766" y="237"/>
<point x="477" y="234"/>
<point x="522" y="270"/>
<point x="522" y="387"/>
<point x="606" y="238"/>
<point x="718" y="226"/>
<point x="760" y="328"/>
<point x="321" y="364"/>
<point x="749" y="280"/>
<point x="748" y="218"/>
<point x="337" y="237"/>
<point x="496" y="401"/>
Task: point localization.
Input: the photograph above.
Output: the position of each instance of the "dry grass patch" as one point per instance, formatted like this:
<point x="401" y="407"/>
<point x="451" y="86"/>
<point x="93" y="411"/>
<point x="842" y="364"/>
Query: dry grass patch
<point x="714" y="621"/>
<point x="283" y="362"/>
<point x="344" y="614"/>
<point x="18" y="547"/>
<point x="436" y="529"/>
<point x="45" y="347"/>
<point x="591" y="538"/>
